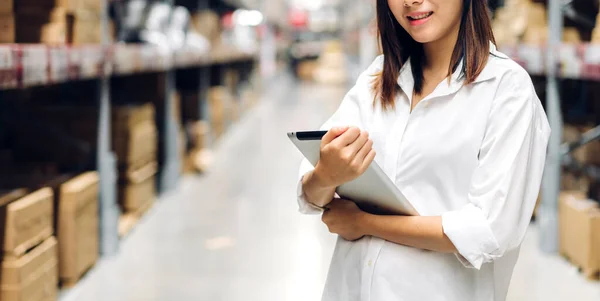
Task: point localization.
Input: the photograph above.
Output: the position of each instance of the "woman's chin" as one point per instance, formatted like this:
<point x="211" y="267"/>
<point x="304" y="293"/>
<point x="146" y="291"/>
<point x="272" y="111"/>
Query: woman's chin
<point x="422" y="38"/>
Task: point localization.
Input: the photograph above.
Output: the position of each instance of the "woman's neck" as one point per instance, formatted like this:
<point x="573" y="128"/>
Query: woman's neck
<point x="438" y="54"/>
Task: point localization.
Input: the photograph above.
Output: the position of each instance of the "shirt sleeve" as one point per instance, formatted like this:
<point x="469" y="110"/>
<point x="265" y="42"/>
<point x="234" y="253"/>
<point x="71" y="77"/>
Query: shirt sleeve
<point x="349" y="113"/>
<point x="506" y="182"/>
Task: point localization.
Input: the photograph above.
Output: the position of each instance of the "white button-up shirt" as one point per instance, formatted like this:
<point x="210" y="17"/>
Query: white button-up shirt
<point x="473" y="154"/>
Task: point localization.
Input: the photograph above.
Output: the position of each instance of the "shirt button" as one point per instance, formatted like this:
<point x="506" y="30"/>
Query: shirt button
<point x="370" y="263"/>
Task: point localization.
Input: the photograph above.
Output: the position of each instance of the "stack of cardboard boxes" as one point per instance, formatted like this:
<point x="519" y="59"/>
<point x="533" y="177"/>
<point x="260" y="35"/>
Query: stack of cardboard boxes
<point x="29" y="264"/>
<point x="51" y="21"/>
<point x="198" y="156"/>
<point x="73" y="215"/>
<point x="525" y="21"/>
<point x="196" y="132"/>
<point x="135" y="143"/>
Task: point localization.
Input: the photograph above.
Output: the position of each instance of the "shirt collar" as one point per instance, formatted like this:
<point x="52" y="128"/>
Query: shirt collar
<point x="406" y="80"/>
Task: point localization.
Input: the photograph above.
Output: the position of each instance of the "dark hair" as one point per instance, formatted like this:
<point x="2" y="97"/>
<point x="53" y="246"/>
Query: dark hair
<point x="398" y="46"/>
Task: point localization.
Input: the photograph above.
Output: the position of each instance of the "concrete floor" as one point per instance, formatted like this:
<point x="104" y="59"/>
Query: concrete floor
<point x="235" y="234"/>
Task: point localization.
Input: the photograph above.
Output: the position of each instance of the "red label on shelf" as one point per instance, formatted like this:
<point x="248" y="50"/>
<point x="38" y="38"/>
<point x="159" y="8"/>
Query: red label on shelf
<point x="8" y="68"/>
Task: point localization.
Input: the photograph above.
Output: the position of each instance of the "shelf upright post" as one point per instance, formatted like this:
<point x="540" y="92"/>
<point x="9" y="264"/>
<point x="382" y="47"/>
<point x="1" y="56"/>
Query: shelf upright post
<point x="548" y="215"/>
<point x="108" y="209"/>
<point x="171" y="167"/>
<point x="204" y="78"/>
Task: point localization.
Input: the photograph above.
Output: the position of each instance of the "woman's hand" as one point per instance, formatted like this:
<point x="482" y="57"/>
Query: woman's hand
<point x="345" y="154"/>
<point x="344" y="218"/>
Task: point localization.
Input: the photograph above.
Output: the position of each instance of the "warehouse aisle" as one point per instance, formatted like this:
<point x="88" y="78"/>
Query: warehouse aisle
<point x="235" y="234"/>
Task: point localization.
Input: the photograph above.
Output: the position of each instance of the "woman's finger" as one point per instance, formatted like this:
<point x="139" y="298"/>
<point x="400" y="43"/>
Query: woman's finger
<point x="364" y="151"/>
<point x="347" y="137"/>
<point x="332" y="134"/>
<point x="358" y="144"/>
<point x="368" y="159"/>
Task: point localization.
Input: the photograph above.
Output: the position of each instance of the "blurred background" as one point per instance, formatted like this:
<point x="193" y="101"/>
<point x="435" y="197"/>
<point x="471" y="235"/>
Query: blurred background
<point x="143" y="148"/>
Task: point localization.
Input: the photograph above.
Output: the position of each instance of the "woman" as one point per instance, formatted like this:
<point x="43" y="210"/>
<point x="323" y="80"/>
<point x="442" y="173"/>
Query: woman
<point x="459" y="129"/>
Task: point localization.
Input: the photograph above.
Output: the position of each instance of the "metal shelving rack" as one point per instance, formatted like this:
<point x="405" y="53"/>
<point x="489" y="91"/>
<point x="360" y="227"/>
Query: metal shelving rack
<point x="25" y="66"/>
<point x="558" y="153"/>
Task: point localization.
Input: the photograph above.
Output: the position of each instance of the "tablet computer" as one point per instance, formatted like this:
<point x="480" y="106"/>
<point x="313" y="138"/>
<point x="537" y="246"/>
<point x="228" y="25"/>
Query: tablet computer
<point x="373" y="191"/>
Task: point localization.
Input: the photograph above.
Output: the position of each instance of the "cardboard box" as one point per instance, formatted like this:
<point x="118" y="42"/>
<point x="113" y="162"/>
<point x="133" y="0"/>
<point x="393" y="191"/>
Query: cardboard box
<point x="208" y="24"/>
<point x="27" y="222"/>
<point x="579" y="221"/>
<point x="571" y="35"/>
<point x="78" y="226"/>
<point x="91" y="5"/>
<point x="125" y="117"/>
<point x="137" y="146"/>
<point x="7" y="7"/>
<point x="231" y="80"/>
<point x="76" y="218"/>
<point x="34" y="276"/>
<point x="306" y="70"/>
<point x="218" y="100"/>
<point x="82" y="32"/>
<point x="7" y="28"/>
<point x="135" y="136"/>
<point x="138" y="191"/>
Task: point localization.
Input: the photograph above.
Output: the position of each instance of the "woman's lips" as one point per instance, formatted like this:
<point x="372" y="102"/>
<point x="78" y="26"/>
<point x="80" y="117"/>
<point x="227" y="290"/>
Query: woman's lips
<point x="419" y="18"/>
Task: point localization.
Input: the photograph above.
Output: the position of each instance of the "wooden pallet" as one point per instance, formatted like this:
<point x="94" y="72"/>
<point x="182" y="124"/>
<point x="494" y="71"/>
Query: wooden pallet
<point x="588" y="273"/>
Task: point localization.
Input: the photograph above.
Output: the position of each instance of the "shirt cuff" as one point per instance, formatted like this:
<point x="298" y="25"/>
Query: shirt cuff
<point x="305" y="206"/>
<point x="470" y="233"/>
